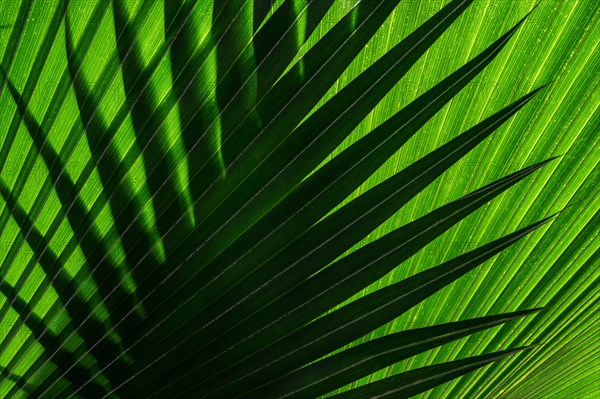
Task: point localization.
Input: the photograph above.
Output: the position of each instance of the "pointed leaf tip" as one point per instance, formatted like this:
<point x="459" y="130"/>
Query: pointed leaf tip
<point x="547" y="219"/>
<point x="531" y="311"/>
<point x="541" y="309"/>
<point x="538" y="89"/>
<point x="539" y="165"/>
<point x="528" y="14"/>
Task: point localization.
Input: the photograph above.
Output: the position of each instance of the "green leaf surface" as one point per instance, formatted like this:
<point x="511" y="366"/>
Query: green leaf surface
<point x="233" y="198"/>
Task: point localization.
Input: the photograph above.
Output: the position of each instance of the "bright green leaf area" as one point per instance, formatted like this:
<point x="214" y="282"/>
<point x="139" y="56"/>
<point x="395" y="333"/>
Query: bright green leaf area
<point x="554" y="267"/>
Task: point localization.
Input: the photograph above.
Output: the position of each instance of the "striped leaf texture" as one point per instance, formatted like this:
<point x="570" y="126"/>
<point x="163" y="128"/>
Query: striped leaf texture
<point x="299" y="199"/>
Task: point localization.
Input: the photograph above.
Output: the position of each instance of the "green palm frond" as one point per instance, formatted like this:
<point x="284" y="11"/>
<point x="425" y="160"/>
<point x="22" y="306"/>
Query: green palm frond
<point x="298" y="199"/>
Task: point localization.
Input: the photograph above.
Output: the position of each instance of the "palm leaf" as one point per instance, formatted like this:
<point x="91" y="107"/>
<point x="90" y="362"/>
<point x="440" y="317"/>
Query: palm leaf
<point x="285" y="198"/>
